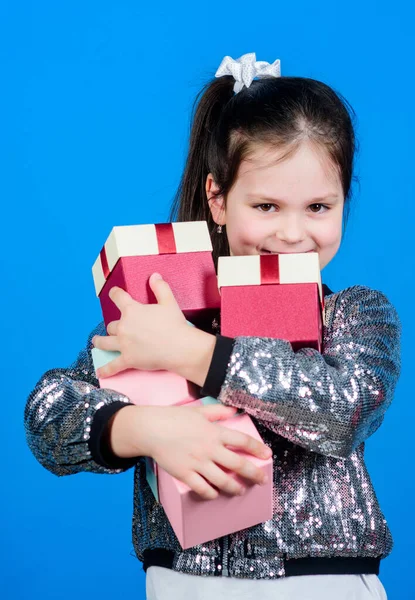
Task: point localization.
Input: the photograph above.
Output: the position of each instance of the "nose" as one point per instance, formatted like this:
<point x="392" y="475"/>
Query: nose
<point x="290" y="230"/>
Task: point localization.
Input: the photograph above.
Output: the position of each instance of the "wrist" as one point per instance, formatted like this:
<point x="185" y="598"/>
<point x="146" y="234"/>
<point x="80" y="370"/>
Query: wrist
<point x="127" y="432"/>
<point x="193" y="359"/>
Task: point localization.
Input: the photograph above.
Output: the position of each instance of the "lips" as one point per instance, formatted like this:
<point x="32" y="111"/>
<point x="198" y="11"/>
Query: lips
<point x="265" y="251"/>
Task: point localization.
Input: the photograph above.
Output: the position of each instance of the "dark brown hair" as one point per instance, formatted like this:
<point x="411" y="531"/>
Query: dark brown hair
<point x="281" y="112"/>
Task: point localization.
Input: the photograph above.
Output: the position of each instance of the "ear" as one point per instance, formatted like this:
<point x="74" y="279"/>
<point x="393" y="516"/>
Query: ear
<point x="216" y="203"/>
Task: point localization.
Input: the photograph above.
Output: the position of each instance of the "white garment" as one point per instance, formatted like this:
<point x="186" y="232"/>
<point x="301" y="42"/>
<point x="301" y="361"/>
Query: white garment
<point x="166" y="584"/>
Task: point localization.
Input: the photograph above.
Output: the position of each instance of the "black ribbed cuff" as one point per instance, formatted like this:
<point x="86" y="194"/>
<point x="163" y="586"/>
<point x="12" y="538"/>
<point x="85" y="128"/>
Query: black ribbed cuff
<point x="98" y="442"/>
<point x="218" y="366"/>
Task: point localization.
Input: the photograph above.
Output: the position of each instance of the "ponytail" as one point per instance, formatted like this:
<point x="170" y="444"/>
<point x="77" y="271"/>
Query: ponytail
<point x="190" y="202"/>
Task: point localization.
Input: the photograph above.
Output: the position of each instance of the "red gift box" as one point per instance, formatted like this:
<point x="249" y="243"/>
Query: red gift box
<point x="277" y="296"/>
<point x="180" y="252"/>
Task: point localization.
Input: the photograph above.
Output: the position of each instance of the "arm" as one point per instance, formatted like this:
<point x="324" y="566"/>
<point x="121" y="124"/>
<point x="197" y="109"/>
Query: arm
<point x="66" y="419"/>
<point x="327" y="403"/>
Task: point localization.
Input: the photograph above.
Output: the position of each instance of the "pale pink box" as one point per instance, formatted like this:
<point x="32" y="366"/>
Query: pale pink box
<point x="155" y="388"/>
<point x="196" y="521"/>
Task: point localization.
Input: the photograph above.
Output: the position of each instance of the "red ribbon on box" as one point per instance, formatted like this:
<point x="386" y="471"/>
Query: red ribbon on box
<point x="104" y="263"/>
<point x="165" y="238"/>
<point x="270" y="268"/>
<point x="270" y="271"/>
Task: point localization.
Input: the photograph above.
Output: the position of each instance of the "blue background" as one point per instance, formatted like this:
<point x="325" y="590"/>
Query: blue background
<point x="94" y="112"/>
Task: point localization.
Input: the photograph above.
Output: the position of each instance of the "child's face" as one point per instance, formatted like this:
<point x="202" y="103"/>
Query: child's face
<point x="295" y="205"/>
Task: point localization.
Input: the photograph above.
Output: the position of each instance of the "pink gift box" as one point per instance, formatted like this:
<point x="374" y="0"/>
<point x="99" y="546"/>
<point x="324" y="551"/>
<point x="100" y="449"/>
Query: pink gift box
<point x="277" y="296"/>
<point x="146" y="388"/>
<point x="196" y="521"/>
<point x="193" y="519"/>
<point x="180" y="252"/>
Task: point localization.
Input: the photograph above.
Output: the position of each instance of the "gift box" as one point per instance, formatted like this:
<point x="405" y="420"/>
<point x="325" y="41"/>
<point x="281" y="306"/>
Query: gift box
<point x="195" y="520"/>
<point x="180" y="252"/>
<point x="145" y="388"/>
<point x="151" y="465"/>
<point x="151" y="476"/>
<point x="278" y="296"/>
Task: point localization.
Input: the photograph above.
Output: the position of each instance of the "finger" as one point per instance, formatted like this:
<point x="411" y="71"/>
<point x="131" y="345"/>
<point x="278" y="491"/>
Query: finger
<point x="106" y="342"/>
<point x="240" y="465"/>
<point x="120" y="297"/>
<point x="245" y="442"/>
<point x="217" y="412"/>
<point x="112" y="328"/>
<point x="161" y="290"/>
<point x="221" y="480"/>
<point x="112" y="368"/>
<point x="200" y="486"/>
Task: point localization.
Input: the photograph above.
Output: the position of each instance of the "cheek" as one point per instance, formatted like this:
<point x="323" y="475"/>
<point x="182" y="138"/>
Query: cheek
<point x="244" y="238"/>
<point x="330" y="233"/>
<point x="330" y="238"/>
<point x="242" y="228"/>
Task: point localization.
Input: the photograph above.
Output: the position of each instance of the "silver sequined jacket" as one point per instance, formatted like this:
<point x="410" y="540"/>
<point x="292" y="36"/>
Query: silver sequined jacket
<point x="314" y="410"/>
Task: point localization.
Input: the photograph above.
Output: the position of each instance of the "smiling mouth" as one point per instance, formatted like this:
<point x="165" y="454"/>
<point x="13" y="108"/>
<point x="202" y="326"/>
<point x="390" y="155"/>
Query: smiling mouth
<point x="264" y="251"/>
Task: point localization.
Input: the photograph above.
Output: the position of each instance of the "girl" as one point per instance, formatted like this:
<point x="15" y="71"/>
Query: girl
<point x="269" y="167"/>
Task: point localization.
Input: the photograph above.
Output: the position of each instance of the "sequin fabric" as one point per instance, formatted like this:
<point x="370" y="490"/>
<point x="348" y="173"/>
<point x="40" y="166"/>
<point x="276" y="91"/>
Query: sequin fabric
<point x="314" y="410"/>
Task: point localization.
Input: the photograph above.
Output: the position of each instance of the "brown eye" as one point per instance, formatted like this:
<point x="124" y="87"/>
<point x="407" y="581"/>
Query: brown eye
<point x="265" y="207"/>
<point x="319" y="206"/>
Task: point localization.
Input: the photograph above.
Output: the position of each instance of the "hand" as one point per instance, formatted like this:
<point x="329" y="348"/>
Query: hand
<point x="155" y="336"/>
<point x="184" y="442"/>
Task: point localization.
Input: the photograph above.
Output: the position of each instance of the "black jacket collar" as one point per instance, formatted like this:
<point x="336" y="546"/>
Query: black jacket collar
<point x="326" y="290"/>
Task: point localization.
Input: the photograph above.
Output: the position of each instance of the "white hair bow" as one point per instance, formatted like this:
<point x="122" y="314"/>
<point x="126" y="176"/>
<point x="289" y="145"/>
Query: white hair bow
<point x="246" y="68"/>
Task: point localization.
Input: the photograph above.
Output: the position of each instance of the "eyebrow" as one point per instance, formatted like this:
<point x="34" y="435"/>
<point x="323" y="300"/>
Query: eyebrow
<point x="266" y="199"/>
